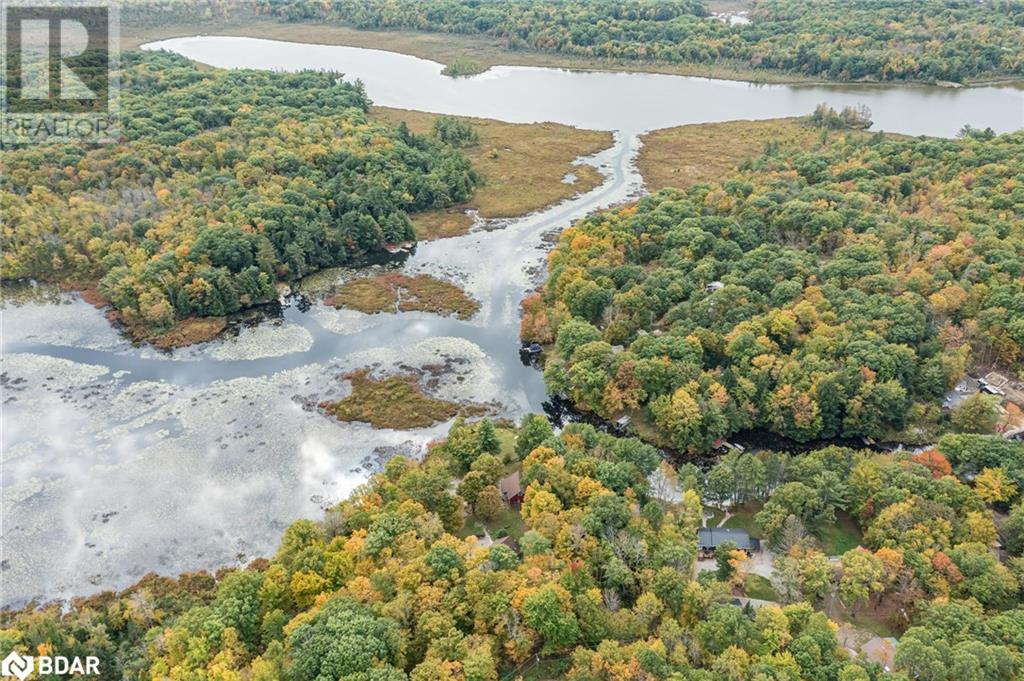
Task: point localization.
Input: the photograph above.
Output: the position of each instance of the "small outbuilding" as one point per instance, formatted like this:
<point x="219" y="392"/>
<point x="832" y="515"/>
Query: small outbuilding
<point x="511" y="489"/>
<point x="509" y="542"/>
<point x="992" y="387"/>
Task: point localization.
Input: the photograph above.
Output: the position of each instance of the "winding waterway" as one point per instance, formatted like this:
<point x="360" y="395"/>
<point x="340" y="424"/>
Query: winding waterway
<point x="120" y="460"/>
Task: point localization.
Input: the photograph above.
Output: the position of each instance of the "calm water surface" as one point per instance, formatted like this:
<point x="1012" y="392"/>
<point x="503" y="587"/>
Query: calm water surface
<point x="119" y="460"/>
<point x="608" y="101"/>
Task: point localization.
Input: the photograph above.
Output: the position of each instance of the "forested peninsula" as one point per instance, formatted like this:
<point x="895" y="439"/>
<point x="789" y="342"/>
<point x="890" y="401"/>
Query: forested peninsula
<point x="226" y="183"/>
<point x="833" y="292"/>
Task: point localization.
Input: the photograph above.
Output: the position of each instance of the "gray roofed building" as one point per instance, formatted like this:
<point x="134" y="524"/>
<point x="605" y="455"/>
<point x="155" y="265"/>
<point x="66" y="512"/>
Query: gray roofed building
<point x="709" y="538"/>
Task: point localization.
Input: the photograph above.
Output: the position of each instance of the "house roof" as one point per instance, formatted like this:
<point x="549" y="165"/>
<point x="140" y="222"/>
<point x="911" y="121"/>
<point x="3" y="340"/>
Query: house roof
<point x="711" y="537"/>
<point x="509" y="542"/>
<point x="510" y="486"/>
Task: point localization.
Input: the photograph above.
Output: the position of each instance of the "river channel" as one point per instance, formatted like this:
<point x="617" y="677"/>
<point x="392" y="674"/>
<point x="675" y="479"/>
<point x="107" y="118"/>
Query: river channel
<point x="119" y="460"/>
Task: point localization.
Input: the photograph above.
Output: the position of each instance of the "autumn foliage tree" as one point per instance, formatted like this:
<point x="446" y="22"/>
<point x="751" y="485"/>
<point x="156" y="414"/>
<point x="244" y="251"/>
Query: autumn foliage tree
<point x="202" y="208"/>
<point x="796" y="294"/>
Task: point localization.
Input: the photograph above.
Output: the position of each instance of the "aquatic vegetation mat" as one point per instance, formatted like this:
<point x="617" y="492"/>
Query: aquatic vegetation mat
<point x="395" y="402"/>
<point x="396" y="292"/>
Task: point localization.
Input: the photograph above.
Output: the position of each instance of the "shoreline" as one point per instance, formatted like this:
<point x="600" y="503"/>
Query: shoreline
<point x="443" y="48"/>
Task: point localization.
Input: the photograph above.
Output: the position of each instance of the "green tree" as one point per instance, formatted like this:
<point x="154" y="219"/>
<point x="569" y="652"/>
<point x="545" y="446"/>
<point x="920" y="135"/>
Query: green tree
<point x="723" y="558"/>
<point x="489" y="466"/>
<point x="455" y="132"/>
<point x="471" y="485"/>
<point x="344" y="638"/>
<point x="549" y="611"/>
<point x="862" y="577"/>
<point x="487" y="438"/>
<point x="979" y="413"/>
<point x="489" y="503"/>
<point x="533" y="430"/>
<point x="1013" y="530"/>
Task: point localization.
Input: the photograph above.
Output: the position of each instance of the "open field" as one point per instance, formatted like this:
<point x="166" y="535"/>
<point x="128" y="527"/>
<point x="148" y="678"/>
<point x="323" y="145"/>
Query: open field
<point x="875" y="620"/>
<point x="522" y="167"/>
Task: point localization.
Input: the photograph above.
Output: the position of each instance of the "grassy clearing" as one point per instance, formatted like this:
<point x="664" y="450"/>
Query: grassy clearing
<point x="395" y="292"/>
<point x="507" y="438"/>
<point x="743" y="518"/>
<point x="509" y="523"/>
<point x="756" y="586"/>
<point x="444" y="48"/>
<point x="871" y="620"/>
<point x="840" y="536"/>
<point x="643" y="427"/>
<point x="522" y="165"/>
<point x="394" y="402"/>
<point x="470" y="528"/>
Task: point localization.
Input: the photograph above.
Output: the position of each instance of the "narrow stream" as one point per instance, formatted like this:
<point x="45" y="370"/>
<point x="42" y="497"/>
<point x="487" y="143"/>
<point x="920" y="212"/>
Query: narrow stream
<point x="120" y="460"/>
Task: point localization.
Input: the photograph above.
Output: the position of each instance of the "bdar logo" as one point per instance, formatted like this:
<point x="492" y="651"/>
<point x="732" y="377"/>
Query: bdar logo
<point x="20" y="666"/>
<point x="16" y="665"/>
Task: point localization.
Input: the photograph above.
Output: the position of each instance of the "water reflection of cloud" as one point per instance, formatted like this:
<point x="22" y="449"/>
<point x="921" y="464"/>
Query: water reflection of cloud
<point x="121" y="478"/>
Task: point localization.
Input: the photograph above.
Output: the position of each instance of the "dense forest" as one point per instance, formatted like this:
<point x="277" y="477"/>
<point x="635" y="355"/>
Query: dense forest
<point x="225" y="183"/>
<point x="835" y="292"/>
<point x="600" y="580"/>
<point x="952" y="40"/>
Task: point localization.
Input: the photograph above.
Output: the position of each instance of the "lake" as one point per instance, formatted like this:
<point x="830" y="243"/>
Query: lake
<point x="609" y="101"/>
<point x="119" y="460"/>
